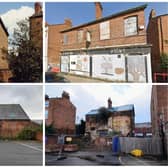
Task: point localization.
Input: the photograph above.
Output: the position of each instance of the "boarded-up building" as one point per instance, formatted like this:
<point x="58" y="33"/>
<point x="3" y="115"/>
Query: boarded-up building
<point x="4" y="69"/>
<point x="61" y="113"/>
<point x="120" y="119"/>
<point x="12" y="120"/>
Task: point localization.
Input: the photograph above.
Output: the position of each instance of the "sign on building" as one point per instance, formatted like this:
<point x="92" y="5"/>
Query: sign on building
<point x="110" y="67"/>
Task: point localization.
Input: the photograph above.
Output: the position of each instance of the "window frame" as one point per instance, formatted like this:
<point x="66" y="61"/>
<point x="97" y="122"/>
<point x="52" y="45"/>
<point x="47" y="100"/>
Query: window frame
<point x="102" y="34"/>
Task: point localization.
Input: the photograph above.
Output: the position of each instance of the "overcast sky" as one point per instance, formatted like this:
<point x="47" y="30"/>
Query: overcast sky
<point x="29" y="97"/>
<point x="13" y="12"/>
<point x="88" y="97"/>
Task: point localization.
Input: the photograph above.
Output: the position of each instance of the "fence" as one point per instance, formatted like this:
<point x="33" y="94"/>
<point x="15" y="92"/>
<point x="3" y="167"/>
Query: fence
<point x="149" y="146"/>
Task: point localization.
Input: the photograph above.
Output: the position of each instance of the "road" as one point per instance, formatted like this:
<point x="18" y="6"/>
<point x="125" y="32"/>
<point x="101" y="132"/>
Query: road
<point x="20" y="153"/>
<point x="82" y="158"/>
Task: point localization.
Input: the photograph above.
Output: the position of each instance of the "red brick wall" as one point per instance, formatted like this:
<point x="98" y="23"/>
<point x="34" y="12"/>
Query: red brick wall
<point x="10" y="129"/>
<point x="61" y="113"/>
<point x="116" y="34"/>
<point x="157" y="35"/>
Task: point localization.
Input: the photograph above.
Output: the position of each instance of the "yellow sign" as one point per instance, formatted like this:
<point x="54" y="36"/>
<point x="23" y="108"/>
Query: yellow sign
<point x="68" y="139"/>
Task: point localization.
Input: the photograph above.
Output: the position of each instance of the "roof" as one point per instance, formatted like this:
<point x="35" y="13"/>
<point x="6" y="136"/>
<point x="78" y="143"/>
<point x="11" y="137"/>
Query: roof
<point x="129" y="107"/>
<point x="3" y="26"/>
<point x="142" y="7"/>
<point x="12" y="112"/>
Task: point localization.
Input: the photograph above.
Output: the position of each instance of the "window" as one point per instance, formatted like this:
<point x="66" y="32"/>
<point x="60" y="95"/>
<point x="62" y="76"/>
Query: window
<point x="46" y="114"/>
<point x="47" y="104"/>
<point x="130" y="26"/>
<point x="65" y="38"/>
<point x="80" y="36"/>
<point x="105" y="30"/>
<point x="88" y="36"/>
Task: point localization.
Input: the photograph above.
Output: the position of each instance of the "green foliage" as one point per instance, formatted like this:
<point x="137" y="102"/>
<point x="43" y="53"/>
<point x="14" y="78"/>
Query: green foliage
<point x="28" y="133"/>
<point x="49" y="129"/>
<point x="103" y="115"/>
<point x="164" y="61"/>
<point x="25" y="58"/>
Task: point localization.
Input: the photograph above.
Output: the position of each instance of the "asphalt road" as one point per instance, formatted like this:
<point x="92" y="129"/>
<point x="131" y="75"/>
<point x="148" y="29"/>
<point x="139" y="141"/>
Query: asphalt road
<point x="20" y="153"/>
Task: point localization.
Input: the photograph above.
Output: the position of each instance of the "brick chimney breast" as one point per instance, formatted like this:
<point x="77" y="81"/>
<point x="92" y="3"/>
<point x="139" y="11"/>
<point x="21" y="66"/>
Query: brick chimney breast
<point x="98" y="10"/>
<point x="37" y="8"/>
<point x="109" y="103"/>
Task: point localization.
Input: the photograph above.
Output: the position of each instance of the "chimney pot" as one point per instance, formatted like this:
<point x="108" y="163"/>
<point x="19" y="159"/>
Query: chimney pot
<point x="37" y="8"/>
<point x="98" y="10"/>
<point x="109" y="103"/>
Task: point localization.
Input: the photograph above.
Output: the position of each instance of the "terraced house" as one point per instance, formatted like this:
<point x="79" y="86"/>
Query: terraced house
<point x="112" y="47"/>
<point x="4" y="69"/>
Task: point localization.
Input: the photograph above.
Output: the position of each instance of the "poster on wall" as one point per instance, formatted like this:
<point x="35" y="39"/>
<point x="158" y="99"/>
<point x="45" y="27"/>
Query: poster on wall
<point x="136" y="68"/>
<point x="110" y="67"/>
<point x="65" y="64"/>
<point x="80" y="64"/>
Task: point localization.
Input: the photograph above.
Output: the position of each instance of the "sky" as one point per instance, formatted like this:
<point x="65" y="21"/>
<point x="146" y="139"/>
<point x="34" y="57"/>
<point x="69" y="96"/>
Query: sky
<point x="13" y="12"/>
<point x="29" y="97"/>
<point x="88" y="97"/>
<point x="84" y="12"/>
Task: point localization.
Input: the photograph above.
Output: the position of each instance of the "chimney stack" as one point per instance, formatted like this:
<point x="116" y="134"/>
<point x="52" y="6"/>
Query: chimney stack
<point x="68" y="22"/>
<point x="109" y="103"/>
<point x="37" y="8"/>
<point x="65" y="95"/>
<point x="98" y="10"/>
<point x="152" y="14"/>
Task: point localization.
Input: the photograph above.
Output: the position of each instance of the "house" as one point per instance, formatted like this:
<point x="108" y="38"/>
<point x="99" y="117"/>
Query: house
<point x="61" y="113"/>
<point x="12" y="120"/>
<point x="4" y="68"/>
<point x="120" y="120"/>
<point x="159" y="113"/>
<point x="54" y="43"/>
<point x="112" y="47"/>
<point x="36" y="26"/>
<point x="157" y="35"/>
<point x="143" y="129"/>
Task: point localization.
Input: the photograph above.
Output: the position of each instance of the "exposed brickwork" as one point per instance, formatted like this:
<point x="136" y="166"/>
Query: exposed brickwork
<point x="117" y="36"/>
<point x="157" y="35"/>
<point x="61" y="113"/>
<point x="55" y="42"/>
<point x="4" y="69"/>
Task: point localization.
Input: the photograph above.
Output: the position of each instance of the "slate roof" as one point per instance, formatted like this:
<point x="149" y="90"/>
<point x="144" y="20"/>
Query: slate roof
<point x="142" y="7"/>
<point x="3" y="26"/>
<point x="128" y="107"/>
<point x="12" y="112"/>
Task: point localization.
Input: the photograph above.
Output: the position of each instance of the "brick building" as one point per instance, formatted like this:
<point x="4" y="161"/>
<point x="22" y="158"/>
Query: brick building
<point x="61" y="113"/>
<point x="54" y="42"/>
<point x="112" y="47"/>
<point x="36" y="27"/>
<point x="157" y="35"/>
<point x="159" y="112"/>
<point x="4" y="68"/>
<point x="12" y="120"/>
<point x="121" y="120"/>
<point x="143" y="129"/>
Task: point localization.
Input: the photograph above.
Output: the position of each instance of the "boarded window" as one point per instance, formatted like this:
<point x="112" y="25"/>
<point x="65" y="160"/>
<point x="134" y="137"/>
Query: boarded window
<point x="80" y="36"/>
<point x="105" y="30"/>
<point x="130" y="26"/>
<point x="65" y="39"/>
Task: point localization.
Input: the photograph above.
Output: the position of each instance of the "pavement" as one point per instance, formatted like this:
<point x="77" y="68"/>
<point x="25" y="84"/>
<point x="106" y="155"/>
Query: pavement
<point x="20" y="153"/>
<point x="84" y="158"/>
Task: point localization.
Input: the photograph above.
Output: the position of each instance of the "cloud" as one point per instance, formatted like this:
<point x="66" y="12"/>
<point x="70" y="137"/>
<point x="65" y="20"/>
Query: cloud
<point x="13" y="16"/>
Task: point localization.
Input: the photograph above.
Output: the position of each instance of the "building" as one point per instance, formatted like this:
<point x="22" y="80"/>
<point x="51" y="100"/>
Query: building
<point x="157" y="35"/>
<point x="61" y="113"/>
<point x="112" y="47"/>
<point x="159" y="112"/>
<point x="120" y="120"/>
<point x="143" y="129"/>
<point x="4" y="68"/>
<point x="12" y="120"/>
<point x="36" y="27"/>
<point x="54" y="42"/>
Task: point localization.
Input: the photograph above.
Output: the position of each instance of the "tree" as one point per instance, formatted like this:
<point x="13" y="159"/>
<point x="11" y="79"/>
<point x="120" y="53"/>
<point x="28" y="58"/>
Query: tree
<point x="25" y="59"/>
<point x="80" y="128"/>
<point x="103" y="115"/>
<point x="49" y="129"/>
<point x="164" y="61"/>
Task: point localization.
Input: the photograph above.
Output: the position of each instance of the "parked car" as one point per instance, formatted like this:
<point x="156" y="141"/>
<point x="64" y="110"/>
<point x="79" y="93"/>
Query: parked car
<point x="55" y="77"/>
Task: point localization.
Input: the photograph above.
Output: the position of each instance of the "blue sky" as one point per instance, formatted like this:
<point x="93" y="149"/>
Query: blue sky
<point x="88" y="97"/>
<point x="82" y="12"/>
